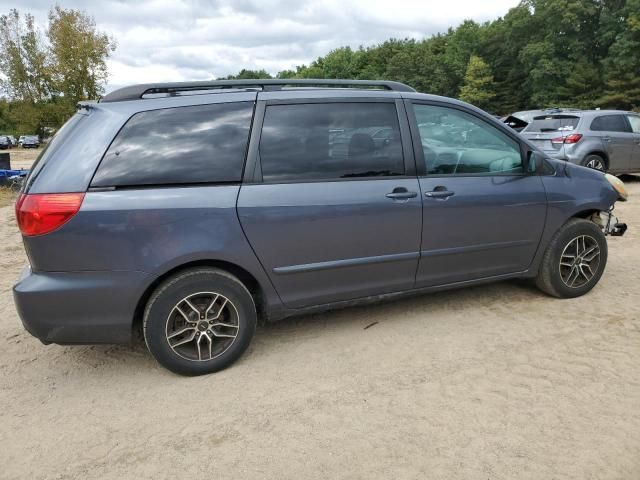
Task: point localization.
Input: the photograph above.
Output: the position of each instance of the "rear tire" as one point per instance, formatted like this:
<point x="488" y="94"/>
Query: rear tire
<point x="574" y="261"/>
<point x="595" y="161"/>
<point x="199" y="321"/>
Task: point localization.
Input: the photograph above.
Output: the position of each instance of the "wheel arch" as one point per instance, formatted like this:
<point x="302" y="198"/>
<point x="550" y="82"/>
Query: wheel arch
<point x="247" y="279"/>
<point x="585" y="214"/>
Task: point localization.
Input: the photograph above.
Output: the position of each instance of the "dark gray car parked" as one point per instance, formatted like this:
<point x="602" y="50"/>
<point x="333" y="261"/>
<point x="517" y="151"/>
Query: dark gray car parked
<point x="607" y="140"/>
<point x="196" y="208"/>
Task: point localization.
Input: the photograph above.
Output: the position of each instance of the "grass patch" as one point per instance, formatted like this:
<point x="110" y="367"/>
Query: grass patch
<point x="7" y="197"/>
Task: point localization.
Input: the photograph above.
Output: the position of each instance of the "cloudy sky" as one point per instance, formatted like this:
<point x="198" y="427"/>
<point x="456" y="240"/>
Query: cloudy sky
<point x="173" y="40"/>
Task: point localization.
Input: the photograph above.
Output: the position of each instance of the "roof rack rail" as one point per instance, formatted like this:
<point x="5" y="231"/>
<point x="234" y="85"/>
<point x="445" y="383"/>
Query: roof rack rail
<point x="136" y="92"/>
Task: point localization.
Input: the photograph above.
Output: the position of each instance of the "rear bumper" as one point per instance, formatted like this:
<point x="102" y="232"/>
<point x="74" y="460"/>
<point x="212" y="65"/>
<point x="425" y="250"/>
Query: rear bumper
<point x="79" y="307"/>
<point x="563" y="155"/>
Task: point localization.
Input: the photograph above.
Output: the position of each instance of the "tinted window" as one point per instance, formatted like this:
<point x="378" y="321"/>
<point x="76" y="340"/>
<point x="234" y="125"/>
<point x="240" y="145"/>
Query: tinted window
<point x="199" y="144"/>
<point x="51" y="147"/>
<point x="330" y="141"/>
<point x="553" y="123"/>
<point x="457" y="143"/>
<point x="609" y="123"/>
<point x="634" y="120"/>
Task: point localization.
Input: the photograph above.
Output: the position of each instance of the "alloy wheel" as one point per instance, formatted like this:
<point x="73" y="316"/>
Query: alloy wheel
<point x="202" y="326"/>
<point x="579" y="261"/>
<point x="595" y="163"/>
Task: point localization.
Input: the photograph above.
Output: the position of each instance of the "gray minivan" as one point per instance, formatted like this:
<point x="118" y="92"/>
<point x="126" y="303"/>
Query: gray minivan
<point x="195" y="209"/>
<point x="607" y="140"/>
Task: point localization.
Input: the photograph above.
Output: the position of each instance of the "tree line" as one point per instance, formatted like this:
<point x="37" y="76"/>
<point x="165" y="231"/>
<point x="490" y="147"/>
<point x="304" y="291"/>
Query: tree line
<point x="45" y="74"/>
<point x="542" y="53"/>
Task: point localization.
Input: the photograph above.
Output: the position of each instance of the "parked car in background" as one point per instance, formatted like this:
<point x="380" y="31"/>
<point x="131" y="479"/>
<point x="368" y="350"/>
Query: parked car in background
<point x="11" y="139"/>
<point x="607" y="140"/>
<point x="20" y="140"/>
<point x="5" y="143"/>
<point x="519" y="120"/>
<point x="202" y="212"/>
<point x="30" y="141"/>
<point x="514" y="122"/>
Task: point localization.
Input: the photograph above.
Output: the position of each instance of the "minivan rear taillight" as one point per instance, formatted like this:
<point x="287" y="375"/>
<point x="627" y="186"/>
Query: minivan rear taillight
<point x="42" y="213"/>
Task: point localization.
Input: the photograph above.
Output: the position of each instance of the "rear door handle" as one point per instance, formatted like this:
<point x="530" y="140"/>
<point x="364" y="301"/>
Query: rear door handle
<point x="439" y="194"/>
<point x="401" y="195"/>
<point x="606" y="139"/>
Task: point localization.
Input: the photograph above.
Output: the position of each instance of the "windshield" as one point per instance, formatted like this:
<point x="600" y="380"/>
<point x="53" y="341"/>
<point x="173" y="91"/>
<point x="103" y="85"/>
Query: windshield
<point x="553" y="123"/>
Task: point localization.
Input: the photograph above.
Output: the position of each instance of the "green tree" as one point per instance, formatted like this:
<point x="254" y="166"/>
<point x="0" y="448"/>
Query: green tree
<point x="245" y="74"/>
<point x="46" y="75"/>
<point x="6" y="123"/>
<point x="78" y="53"/>
<point x="622" y="65"/>
<point x="563" y="51"/>
<point x="286" y="74"/>
<point x="24" y="59"/>
<point x="542" y="53"/>
<point x="500" y="44"/>
<point x="478" y="84"/>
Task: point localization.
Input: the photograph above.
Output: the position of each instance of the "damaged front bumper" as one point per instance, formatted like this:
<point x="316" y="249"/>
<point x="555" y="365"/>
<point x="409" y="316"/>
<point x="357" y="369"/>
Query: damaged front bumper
<point x="609" y="223"/>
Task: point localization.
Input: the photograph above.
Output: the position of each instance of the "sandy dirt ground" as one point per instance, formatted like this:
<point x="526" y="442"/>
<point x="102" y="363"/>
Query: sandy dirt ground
<point x="492" y="382"/>
<point x="23" y="157"/>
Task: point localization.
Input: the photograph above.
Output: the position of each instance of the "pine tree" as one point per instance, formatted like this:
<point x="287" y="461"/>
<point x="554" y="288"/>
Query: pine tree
<point x="478" y="83"/>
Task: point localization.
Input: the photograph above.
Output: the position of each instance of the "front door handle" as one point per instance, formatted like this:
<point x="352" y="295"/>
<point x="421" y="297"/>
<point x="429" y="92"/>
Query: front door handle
<point x="439" y="194"/>
<point x="401" y="193"/>
<point x="606" y="139"/>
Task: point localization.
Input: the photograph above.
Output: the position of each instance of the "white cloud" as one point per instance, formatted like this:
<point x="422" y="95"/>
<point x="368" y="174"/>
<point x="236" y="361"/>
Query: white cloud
<point x="173" y="40"/>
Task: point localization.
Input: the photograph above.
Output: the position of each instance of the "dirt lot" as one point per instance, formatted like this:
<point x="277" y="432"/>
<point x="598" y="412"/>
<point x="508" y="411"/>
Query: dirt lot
<point x="493" y="382"/>
<point x="23" y="158"/>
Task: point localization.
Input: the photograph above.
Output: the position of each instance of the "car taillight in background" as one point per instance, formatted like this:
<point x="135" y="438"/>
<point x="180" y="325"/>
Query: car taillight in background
<point x="568" y="140"/>
<point x="42" y="213"/>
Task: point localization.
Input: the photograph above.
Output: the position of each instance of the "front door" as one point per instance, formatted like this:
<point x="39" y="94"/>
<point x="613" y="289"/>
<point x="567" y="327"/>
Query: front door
<point x="483" y="213"/>
<point x="333" y="213"/>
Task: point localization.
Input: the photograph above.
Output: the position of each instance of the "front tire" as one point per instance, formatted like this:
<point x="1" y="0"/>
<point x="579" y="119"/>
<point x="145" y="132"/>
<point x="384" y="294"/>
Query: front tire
<point x="574" y="260"/>
<point x="199" y="321"/>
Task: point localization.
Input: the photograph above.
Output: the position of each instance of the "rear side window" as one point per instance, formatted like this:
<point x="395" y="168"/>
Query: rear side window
<point x="609" y="123"/>
<point x="197" y="144"/>
<point x="51" y="147"/>
<point x="330" y="141"/>
<point x="634" y="120"/>
<point x="553" y="123"/>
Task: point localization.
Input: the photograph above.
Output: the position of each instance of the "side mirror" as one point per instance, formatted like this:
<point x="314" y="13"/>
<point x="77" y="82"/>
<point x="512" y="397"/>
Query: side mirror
<point x="534" y="161"/>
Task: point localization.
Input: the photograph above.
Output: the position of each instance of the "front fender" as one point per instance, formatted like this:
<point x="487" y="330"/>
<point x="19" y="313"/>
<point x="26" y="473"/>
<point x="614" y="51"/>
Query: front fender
<point x="573" y="191"/>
